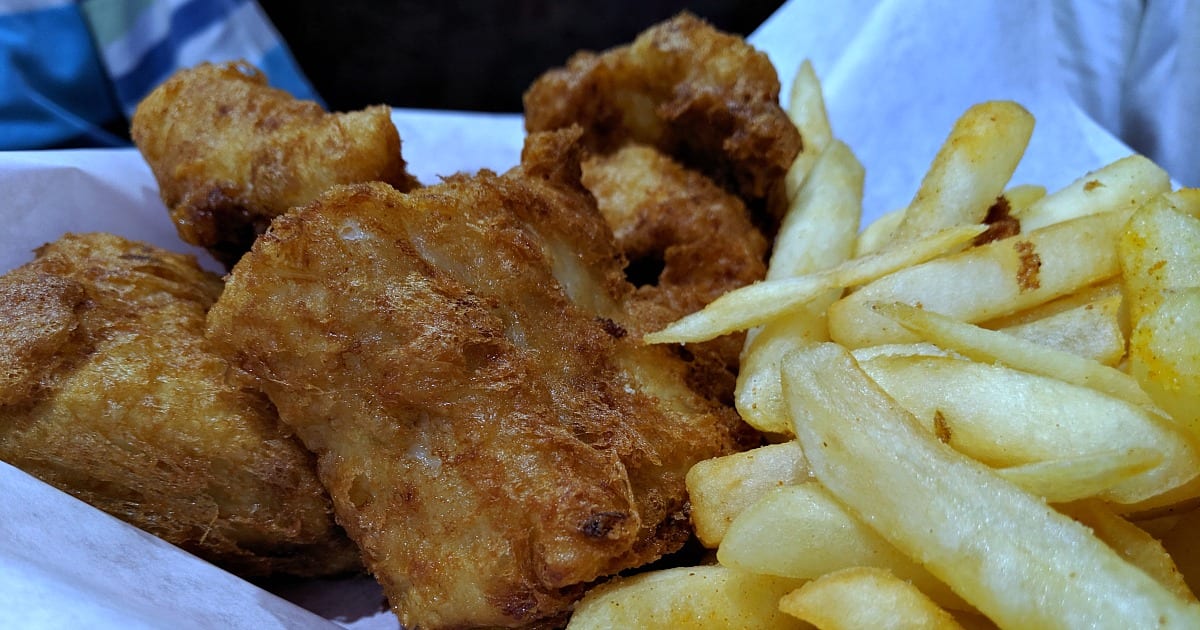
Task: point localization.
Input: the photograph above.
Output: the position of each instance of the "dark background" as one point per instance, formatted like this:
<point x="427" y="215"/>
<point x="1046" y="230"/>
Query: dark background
<point x="468" y="55"/>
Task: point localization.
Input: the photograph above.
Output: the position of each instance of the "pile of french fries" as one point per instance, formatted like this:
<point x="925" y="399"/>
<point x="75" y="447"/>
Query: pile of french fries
<point x="985" y="405"/>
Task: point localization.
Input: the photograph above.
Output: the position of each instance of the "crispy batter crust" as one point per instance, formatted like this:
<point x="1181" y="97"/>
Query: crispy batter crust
<point x="704" y="97"/>
<point x="456" y="357"/>
<point x="231" y="153"/>
<point x="108" y="392"/>
<point x="692" y="240"/>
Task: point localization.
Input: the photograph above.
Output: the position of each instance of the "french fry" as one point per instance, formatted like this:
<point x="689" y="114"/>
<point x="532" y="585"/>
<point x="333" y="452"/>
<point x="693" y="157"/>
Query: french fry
<point x="1003" y="550"/>
<point x="917" y="349"/>
<point x="1093" y="331"/>
<point x="758" y="395"/>
<point x="761" y="302"/>
<point x="985" y="345"/>
<point x="1165" y="357"/>
<point x="800" y="531"/>
<point x="1081" y="477"/>
<point x="1004" y="417"/>
<point x="865" y="597"/>
<point x="970" y="170"/>
<point x="987" y="281"/>
<point x="722" y="487"/>
<point x="877" y="234"/>
<point x="1088" y="295"/>
<point x="1131" y="543"/>
<point x="1160" y="257"/>
<point x="1123" y="185"/>
<point x="817" y="233"/>
<point x="806" y="109"/>
<point x="687" y="597"/>
<point x="1021" y="197"/>
<point x="821" y="223"/>
<point x="1159" y="253"/>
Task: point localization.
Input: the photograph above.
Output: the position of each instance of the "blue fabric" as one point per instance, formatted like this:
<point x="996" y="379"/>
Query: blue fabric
<point x="160" y="61"/>
<point x="69" y="75"/>
<point x="53" y="89"/>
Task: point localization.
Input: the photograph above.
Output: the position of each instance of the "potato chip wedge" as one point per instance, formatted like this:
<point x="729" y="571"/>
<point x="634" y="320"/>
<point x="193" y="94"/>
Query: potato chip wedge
<point x="1005" y="417"/>
<point x="761" y="302"/>
<point x="800" y="531"/>
<point x="1003" y="550"/>
<point x="865" y="597"/>
<point x="969" y="171"/>
<point x="722" y="487"/>
<point x="701" y="597"/>
<point x="987" y="281"/>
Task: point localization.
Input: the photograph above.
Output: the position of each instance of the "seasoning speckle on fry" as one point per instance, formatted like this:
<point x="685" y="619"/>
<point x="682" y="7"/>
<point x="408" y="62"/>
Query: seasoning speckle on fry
<point x="1030" y="266"/>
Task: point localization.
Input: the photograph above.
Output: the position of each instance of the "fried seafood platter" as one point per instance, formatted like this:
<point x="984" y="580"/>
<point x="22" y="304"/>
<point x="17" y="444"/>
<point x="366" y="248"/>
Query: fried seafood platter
<point x="453" y="377"/>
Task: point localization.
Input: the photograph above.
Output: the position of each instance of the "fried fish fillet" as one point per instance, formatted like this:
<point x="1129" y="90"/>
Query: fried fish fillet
<point x="230" y="153"/>
<point x="706" y="98"/>
<point x="687" y="240"/>
<point x="108" y="392"/>
<point x="491" y="436"/>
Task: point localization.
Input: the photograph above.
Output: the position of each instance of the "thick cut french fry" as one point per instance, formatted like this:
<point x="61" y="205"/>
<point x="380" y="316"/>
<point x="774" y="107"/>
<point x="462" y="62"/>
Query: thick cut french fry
<point x="761" y="302"/>
<point x="1005" y="417"/>
<point x="877" y="234"/>
<point x="865" y="597"/>
<point x="720" y="488"/>
<point x="1159" y="253"/>
<point x="1087" y="295"/>
<point x="758" y="395"/>
<point x="1021" y="197"/>
<point x="1131" y="543"/>
<point x="970" y="170"/>
<point x="988" y="281"/>
<point x="687" y="597"/>
<point x="1160" y="258"/>
<point x="822" y="220"/>
<point x="1123" y="185"/>
<point x="817" y="233"/>
<point x="800" y="531"/>
<point x="806" y="109"/>
<point x="1093" y="331"/>
<point x="981" y="344"/>
<point x="1164" y="356"/>
<point x="1081" y="477"/>
<point x="1003" y="550"/>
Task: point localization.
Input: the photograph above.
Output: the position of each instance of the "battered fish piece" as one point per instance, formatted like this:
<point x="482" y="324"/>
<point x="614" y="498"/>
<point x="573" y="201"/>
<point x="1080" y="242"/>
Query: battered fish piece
<point x="704" y="97"/>
<point x="230" y="153"/>
<point x="687" y="240"/>
<point x="108" y="392"/>
<point x="491" y="437"/>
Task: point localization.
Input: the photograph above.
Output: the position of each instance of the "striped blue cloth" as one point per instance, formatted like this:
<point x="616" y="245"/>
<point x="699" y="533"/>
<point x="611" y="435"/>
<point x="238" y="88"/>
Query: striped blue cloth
<point x="71" y="73"/>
